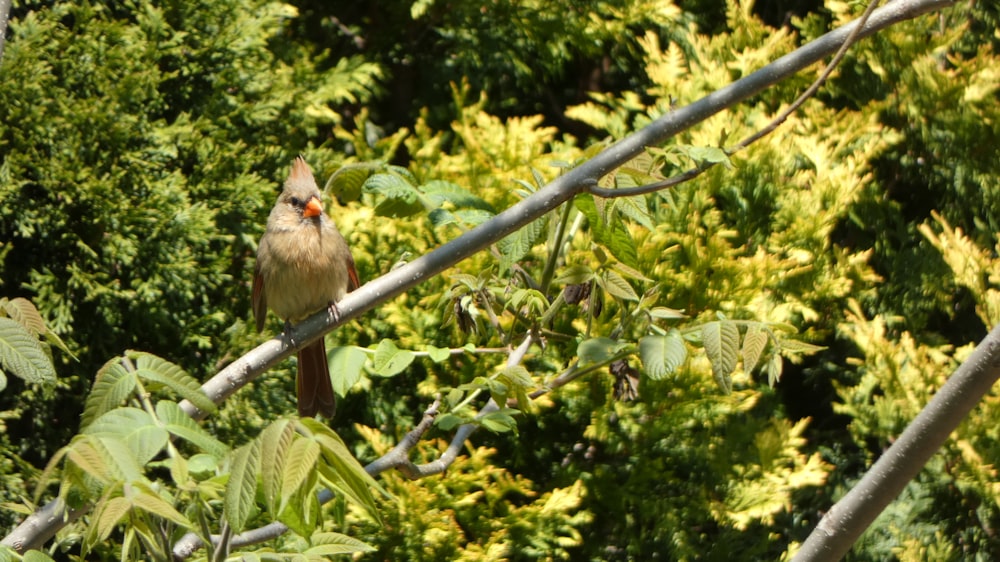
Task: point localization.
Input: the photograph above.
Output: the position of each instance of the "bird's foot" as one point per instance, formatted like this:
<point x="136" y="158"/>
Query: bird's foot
<point x="334" y="312"/>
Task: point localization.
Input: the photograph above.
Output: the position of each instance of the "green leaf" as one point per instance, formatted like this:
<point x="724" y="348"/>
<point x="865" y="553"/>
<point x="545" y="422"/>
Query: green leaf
<point x="34" y="556"/>
<point x="399" y="197"/>
<point x="448" y="422"/>
<point x="21" y="354"/>
<point x="618" y="240"/>
<point x="598" y="350"/>
<point x="135" y="428"/>
<point x="155" y="369"/>
<point x="181" y="425"/>
<point x="473" y="217"/>
<point x="527" y="301"/>
<point x="517" y="245"/>
<point x="329" y="544"/>
<point x="574" y="275"/>
<point x="500" y="421"/>
<point x="146" y="499"/>
<point x="301" y="515"/>
<point x="346" y="183"/>
<point x="203" y="465"/>
<point x="274" y="443"/>
<point x="617" y="286"/>
<point x="796" y="346"/>
<point x="438" y="354"/>
<point x="614" y="235"/>
<point x="635" y="208"/>
<point x="180" y="472"/>
<point x="105" y="458"/>
<point x="661" y="355"/>
<point x="24" y="313"/>
<point x="664" y="313"/>
<point x="298" y="467"/>
<point x="516" y="375"/>
<point x="112" y="385"/>
<point x="346" y="472"/>
<point x="109" y="514"/>
<point x="89" y="456"/>
<point x="30" y="556"/>
<point x="709" y="154"/>
<point x="241" y="489"/>
<point x="440" y="191"/>
<point x="754" y="342"/>
<point x="346" y="366"/>
<point x="722" y="340"/>
<point x="630" y="272"/>
<point x="773" y="368"/>
<point x="389" y="360"/>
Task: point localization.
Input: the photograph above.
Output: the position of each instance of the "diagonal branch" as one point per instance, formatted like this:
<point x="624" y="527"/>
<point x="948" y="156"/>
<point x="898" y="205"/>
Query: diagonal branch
<point x="849" y="517"/>
<point x="4" y="18"/>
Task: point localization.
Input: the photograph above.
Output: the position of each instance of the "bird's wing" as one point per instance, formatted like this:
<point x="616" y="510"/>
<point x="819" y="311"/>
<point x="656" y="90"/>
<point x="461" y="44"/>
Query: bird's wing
<point x="259" y="298"/>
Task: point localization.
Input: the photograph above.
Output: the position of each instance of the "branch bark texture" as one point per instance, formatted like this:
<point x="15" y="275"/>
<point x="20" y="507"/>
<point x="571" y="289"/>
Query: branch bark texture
<point x="849" y="517"/>
<point x="4" y="18"/>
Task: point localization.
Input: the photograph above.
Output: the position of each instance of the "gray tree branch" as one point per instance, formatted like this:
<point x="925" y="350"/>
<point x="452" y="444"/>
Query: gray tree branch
<point x="4" y="18"/>
<point x="849" y="517"/>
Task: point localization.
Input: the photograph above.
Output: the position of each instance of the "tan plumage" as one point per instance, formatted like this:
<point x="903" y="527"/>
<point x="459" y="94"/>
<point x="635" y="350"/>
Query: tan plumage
<point x="303" y="265"/>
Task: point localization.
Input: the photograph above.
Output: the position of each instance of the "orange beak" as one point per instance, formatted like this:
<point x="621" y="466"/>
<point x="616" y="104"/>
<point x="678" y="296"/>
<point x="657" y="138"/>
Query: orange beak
<point x="313" y="207"/>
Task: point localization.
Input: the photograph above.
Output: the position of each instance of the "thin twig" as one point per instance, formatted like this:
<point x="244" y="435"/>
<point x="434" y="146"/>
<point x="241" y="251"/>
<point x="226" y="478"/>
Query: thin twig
<point x="610" y="193"/>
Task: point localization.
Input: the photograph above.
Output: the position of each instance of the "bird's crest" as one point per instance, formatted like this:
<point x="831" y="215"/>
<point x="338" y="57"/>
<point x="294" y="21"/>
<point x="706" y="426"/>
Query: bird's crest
<point x="300" y="171"/>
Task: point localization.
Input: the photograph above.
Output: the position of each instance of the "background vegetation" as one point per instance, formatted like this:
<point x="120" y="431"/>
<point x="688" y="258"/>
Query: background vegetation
<point x="142" y="144"/>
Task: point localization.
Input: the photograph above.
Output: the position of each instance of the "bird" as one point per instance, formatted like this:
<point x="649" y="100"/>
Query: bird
<point x="303" y="265"/>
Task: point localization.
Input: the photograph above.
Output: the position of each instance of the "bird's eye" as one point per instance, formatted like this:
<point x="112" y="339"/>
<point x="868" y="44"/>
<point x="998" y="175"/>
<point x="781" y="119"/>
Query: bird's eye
<point x="296" y="202"/>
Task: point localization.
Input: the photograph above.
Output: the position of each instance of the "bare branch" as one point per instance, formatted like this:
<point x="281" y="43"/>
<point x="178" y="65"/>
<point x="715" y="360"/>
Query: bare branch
<point x="4" y="17"/>
<point x="849" y="517"/>
<point x="398" y="457"/>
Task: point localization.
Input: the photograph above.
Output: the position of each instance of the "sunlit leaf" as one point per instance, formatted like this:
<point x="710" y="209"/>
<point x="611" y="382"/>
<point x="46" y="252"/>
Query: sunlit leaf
<point x="21" y="354"/>
<point x="178" y="423"/>
<point x="722" y="340"/>
<point x="242" y="486"/>
<point x="598" y="350"/>
<point x="297" y="467"/>
<point x="389" y="360"/>
<point x="754" y="341"/>
<point x="662" y="355"/>
<point x="346" y="367"/>
<point x="155" y="369"/>
<point x="274" y="443"/>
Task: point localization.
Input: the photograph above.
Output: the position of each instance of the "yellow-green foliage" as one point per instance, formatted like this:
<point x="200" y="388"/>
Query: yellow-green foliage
<point x="899" y="375"/>
<point x="475" y="511"/>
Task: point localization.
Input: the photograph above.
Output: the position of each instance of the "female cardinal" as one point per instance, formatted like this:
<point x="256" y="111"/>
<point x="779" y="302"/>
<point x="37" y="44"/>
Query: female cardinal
<point x="303" y="265"/>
